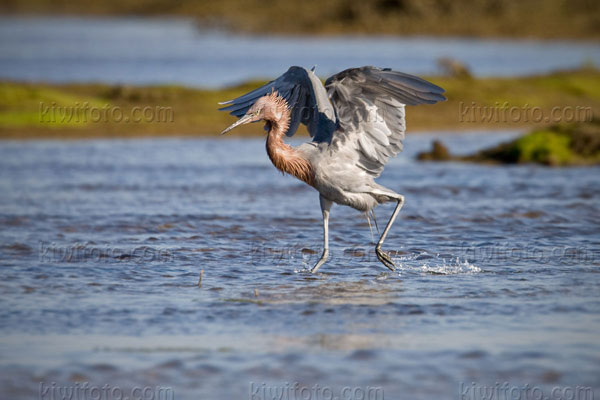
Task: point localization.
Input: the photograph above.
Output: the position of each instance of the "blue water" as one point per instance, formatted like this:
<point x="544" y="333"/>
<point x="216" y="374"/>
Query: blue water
<point x="102" y="244"/>
<point x="144" y="51"/>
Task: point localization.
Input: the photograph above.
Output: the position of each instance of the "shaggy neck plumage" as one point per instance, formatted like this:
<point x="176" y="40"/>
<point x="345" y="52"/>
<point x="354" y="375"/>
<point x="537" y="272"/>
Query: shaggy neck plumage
<point x="284" y="157"/>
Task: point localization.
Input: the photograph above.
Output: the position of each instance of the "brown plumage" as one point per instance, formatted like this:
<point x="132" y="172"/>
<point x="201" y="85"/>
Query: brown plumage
<point x="284" y="157"/>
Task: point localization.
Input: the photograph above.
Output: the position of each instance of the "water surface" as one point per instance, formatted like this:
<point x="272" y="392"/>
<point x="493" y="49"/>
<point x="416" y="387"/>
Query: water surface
<point x="102" y="244"/>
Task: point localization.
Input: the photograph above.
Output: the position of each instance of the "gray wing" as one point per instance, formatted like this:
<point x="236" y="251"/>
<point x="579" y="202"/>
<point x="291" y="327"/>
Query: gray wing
<point x="369" y="104"/>
<point x="305" y="96"/>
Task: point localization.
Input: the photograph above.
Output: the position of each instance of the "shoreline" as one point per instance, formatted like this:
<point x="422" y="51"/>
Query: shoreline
<point x="350" y="34"/>
<point x="484" y="18"/>
<point x="299" y="136"/>
<point x="96" y="110"/>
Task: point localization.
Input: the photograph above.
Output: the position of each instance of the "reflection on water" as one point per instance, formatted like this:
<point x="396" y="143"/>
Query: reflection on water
<point x="102" y="244"/>
<point x="137" y="51"/>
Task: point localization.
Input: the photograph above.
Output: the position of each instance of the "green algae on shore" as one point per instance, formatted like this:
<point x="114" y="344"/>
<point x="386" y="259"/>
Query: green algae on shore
<point x="557" y="145"/>
<point x="90" y="110"/>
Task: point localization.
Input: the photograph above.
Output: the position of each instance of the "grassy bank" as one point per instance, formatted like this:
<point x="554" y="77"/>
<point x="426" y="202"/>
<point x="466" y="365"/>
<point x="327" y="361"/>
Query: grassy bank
<point x="575" y="144"/>
<point x="481" y="18"/>
<point x="42" y="110"/>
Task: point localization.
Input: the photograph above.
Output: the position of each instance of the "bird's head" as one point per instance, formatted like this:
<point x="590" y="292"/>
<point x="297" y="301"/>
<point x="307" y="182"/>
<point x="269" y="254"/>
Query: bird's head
<point x="268" y="108"/>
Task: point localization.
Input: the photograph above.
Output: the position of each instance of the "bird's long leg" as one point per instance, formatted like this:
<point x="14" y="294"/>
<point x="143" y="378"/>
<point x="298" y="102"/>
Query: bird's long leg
<point x="382" y="256"/>
<point x="325" y="207"/>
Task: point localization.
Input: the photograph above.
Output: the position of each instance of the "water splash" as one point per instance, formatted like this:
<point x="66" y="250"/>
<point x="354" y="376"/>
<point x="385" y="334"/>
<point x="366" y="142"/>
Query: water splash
<point x="437" y="265"/>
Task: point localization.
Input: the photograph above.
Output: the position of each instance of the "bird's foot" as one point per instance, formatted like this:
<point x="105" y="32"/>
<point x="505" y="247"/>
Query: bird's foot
<point x="385" y="259"/>
<point x="321" y="261"/>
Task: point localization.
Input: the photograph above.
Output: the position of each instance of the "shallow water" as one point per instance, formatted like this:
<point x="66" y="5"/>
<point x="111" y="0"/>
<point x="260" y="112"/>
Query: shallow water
<point x="102" y="244"/>
<point x="150" y="51"/>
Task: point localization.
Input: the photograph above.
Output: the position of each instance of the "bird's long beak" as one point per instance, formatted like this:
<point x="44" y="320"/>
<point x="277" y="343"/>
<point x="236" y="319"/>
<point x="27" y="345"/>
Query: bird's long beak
<point x="244" y="120"/>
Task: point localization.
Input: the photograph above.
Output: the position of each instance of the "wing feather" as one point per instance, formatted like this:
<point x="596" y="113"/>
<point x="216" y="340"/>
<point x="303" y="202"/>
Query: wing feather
<point x="369" y="104"/>
<point x="359" y="112"/>
<point x="305" y="96"/>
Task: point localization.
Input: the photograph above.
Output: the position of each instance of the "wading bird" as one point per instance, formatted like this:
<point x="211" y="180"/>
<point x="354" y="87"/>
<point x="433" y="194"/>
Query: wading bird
<point x="356" y="122"/>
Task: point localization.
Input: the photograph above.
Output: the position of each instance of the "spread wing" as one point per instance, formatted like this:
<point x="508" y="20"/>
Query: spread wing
<point x="305" y="96"/>
<point x="369" y="104"/>
<point x="359" y="112"/>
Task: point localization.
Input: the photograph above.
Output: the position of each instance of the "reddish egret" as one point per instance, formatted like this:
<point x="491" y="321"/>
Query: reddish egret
<point x="356" y="121"/>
